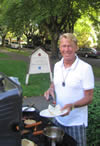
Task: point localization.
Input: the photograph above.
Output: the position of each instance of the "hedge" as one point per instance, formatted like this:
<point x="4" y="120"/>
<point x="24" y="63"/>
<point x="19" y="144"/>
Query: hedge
<point x="93" y="130"/>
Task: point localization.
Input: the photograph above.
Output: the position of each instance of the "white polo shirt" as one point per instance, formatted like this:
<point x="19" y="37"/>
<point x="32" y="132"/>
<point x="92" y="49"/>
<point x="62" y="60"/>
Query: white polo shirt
<point x="77" y="78"/>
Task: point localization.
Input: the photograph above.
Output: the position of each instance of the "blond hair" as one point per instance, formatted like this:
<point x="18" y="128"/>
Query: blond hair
<point x="69" y="36"/>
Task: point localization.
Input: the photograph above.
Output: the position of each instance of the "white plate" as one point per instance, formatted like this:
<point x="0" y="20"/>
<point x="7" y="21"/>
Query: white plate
<point x="46" y="113"/>
<point x="28" y="109"/>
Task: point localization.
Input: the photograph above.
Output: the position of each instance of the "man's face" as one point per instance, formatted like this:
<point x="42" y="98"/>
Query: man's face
<point x="67" y="49"/>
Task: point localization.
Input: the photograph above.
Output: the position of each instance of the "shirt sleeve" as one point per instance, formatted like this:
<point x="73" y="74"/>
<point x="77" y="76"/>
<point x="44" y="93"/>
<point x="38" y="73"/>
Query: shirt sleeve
<point x="88" y="78"/>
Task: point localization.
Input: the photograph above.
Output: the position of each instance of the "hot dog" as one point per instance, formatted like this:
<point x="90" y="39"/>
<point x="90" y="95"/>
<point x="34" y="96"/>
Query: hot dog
<point x="38" y="132"/>
<point x="34" y="124"/>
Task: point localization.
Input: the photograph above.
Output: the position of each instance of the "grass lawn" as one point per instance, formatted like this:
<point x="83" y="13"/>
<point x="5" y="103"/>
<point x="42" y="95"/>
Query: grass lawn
<point x="96" y="71"/>
<point x="25" y="53"/>
<point x="3" y="55"/>
<point x="38" y="83"/>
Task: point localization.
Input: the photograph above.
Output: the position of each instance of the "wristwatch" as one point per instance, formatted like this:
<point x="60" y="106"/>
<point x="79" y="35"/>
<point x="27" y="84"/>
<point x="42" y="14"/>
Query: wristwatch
<point x="73" y="106"/>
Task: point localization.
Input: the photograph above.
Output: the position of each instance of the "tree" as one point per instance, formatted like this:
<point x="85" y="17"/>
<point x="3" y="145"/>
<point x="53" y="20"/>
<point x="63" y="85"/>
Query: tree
<point x="3" y="32"/>
<point x="3" y="27"/>
<point x="58" y="16"/>
<point x="94" y="16"/>
<point x="84" y="31"/>
<point x="53" y="17"/>
<point x="88" y="28"/>
<point x="19" y="22"/>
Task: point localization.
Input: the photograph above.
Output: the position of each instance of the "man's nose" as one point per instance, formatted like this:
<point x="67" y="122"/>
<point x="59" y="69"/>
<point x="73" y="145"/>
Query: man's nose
<point x="67" y="48"/>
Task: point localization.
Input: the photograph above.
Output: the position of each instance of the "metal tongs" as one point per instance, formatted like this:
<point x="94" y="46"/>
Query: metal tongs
<point x="52" y="100"/>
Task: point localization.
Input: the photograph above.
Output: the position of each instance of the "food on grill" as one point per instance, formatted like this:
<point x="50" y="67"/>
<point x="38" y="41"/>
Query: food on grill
<point x="34" y="124"/>
<point x="38" y="132"/>
<point x="26" y="142"/>
<point x="54" y="110"/>
<point x="25" y="131"/>
<point x="29" y="121"/>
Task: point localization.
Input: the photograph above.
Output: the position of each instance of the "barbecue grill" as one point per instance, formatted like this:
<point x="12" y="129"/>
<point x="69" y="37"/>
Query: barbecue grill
<point x="10" y="111"/>
<point x="12" y="127"/>
<point x="39" y="138"/>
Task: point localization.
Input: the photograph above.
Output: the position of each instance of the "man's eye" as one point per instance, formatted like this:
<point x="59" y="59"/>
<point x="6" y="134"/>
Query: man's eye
<point x="66" y="46"/>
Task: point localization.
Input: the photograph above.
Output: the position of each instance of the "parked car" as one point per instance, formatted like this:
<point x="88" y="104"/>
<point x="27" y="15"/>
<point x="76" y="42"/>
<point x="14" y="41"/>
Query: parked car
<point x="16" y="45"/>
<point x="88" y="52"/>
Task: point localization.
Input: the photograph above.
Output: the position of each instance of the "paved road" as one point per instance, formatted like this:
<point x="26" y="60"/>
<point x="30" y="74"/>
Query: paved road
<point x="92" y="61"/>
<point x="16" y="56"/>
<point x="39" y="102"/>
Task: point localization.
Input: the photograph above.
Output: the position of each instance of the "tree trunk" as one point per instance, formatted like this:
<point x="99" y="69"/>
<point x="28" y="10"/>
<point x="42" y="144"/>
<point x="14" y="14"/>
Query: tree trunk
<point x="28" y="40"/>
<point x="54" y="46"/>
<point x="18" y="40"/>
<point x="3" y="40"/>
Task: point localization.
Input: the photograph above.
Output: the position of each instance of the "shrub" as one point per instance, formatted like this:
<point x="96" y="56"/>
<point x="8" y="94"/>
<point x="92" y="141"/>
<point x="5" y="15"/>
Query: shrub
<point x="93" y="130"/>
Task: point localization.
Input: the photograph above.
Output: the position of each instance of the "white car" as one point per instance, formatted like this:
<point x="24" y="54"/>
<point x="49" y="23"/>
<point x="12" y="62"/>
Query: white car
<point x="15" y="45"/>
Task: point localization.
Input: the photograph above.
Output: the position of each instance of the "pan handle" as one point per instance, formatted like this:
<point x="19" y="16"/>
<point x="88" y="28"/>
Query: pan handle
<point x="53" y="143"/>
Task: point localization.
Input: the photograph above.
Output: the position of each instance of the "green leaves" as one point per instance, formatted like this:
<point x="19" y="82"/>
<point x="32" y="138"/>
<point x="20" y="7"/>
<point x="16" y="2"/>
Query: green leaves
<point x="93" y="130"/>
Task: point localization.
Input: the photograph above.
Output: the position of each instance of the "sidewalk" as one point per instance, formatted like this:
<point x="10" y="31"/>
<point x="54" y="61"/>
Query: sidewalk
<point x="39" y="102"/>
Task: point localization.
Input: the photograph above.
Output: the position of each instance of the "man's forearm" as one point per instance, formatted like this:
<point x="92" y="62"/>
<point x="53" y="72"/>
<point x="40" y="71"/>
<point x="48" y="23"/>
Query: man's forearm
<point x="52" y="86"/>
<point x="87" y="99"/>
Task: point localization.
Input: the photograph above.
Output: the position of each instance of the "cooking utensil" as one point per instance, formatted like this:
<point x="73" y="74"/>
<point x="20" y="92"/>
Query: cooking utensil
<point x="52" y="99"/>
<point x="54" y="133"/>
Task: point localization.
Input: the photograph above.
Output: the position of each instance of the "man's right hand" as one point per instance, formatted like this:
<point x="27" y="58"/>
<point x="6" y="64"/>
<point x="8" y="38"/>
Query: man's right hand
<point x="48" y="93"/>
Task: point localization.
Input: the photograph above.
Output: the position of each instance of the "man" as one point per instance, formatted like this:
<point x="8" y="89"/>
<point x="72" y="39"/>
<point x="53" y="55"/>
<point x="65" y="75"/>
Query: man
<point x="73" y="86"/>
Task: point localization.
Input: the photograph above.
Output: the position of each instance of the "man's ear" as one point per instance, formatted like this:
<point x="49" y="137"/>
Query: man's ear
<point x="77" y="48"/>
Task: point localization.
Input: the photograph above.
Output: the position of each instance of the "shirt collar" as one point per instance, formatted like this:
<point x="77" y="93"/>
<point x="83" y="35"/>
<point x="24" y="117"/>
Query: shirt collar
<point x="73" y="66"/>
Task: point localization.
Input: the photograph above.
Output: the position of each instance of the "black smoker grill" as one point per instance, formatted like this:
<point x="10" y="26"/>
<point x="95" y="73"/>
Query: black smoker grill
<point x="10" y="111"/>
